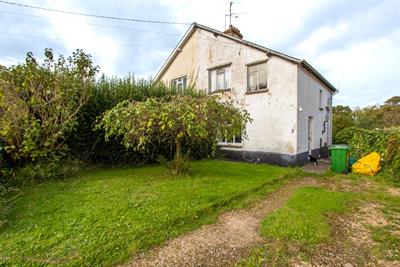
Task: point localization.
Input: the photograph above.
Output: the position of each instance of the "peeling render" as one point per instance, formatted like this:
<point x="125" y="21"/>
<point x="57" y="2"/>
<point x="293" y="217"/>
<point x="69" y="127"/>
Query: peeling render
<point x="280" y="113"/>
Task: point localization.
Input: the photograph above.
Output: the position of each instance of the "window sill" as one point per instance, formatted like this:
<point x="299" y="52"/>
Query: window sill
<point x="256" y="92"/>
<point x="232" y="145"/>
<point x="220" y="91"/>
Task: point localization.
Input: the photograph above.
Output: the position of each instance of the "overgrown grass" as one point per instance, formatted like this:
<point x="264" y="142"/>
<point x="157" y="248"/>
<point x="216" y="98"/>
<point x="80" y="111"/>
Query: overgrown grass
<point x="303" y="218"/>
<point x="297" y="227"/>
<point x="387" y="237"/>
<point x="105" y="216"/>
<point x="387" y="242"/>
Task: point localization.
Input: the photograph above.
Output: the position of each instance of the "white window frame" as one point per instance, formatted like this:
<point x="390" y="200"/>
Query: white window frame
<point x="221" y="70"/>
<point x="225" y="141"/>
<point x="257" y="79"/>
<point x="180" y="81"/>
<point x="320" y="99"/>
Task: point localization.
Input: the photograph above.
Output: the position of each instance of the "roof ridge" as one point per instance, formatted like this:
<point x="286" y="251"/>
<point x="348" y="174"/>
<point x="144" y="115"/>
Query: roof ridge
<point x="195" y="25"/>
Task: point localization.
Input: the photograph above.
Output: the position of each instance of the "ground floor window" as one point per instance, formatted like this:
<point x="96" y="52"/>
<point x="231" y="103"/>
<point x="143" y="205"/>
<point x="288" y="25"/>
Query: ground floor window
<point x="231" y="140"/>
<point x="179" y="84"/>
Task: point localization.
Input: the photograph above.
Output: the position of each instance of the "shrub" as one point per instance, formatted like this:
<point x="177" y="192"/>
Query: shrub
<point x="144" y="126"/>
<point x="384" y="141"/>
<point x="38" y="108"/>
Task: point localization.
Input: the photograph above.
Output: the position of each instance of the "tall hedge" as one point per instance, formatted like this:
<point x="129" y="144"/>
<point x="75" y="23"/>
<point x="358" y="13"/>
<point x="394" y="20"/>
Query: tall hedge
<point x="88" y="144"/>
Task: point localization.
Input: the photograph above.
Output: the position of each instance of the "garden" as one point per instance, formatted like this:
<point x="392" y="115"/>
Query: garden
<point x="106" y="170"/>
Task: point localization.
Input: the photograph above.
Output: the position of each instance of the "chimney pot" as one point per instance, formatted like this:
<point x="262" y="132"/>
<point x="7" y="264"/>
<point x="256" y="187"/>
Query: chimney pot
<point x="233" y="31"/>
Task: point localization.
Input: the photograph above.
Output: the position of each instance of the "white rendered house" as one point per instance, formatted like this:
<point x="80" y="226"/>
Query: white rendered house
<point x="289" y="101"/>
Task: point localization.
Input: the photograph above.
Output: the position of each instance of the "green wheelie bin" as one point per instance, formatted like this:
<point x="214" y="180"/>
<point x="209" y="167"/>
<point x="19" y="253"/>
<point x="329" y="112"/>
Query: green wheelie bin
<point x="340" y="158"/>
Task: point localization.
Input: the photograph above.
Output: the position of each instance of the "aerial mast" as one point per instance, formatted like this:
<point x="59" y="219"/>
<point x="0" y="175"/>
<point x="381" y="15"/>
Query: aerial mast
<point x="230" y="13"/>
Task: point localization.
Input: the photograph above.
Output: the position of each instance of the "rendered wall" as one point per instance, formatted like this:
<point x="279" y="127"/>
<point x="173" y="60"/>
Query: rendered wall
<point x="308" y="102"/>
<point x="184" y="64"/>
<point x="274" y="112"/>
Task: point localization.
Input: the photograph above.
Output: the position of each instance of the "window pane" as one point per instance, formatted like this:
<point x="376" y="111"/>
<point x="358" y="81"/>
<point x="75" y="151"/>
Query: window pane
<point x="220" y="79"/>
<point x="212" y="80"/>
<point x="184" y="82"/>
<point x="173" y="83"/>
<point x="227" y="77"/>
<point x="252" y="82"/>
<point x="262" y="76"/>
<point x="238" y="139"/>
<point x="179" y="83"/>
<point x="320" y="99"/>
<point x="179" y="88"/>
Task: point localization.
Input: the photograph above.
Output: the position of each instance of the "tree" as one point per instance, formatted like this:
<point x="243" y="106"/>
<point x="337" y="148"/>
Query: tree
<point x="393" y="101"/>
<point x="39" y="104"/>
<point x="391" y="112"/>
<point x="177" y="119"/>
<point x="342" y="118"/>
<point x="370" y="117"/>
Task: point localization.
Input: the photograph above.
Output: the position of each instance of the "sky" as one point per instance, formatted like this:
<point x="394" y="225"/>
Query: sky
<point x="354" y="44"/>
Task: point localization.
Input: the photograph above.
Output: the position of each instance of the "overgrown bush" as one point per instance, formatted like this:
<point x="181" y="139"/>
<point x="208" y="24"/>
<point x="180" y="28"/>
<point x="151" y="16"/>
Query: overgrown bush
<point x="384" y="141"/>
<point x="88" y="144"/>
<point x="39" y="104"/>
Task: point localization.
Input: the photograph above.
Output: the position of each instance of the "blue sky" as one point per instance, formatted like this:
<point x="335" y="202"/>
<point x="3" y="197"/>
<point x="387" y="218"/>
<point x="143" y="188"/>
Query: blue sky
<point x="354" y="44"/>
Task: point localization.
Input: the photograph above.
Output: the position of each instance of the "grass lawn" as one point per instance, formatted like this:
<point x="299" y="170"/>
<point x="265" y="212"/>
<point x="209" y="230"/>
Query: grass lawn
<point x="104" y="217"/>
<point x="307" y="228"/>
<point x="301" y="222"/>
<point x="303" y="218"/>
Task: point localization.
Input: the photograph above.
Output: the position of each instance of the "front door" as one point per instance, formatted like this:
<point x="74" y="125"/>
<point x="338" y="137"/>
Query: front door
<point x="310" y="135"/>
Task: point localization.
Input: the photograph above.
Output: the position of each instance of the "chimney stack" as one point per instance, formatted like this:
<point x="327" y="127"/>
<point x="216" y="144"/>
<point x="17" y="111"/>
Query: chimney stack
<point x="233" y="31"/>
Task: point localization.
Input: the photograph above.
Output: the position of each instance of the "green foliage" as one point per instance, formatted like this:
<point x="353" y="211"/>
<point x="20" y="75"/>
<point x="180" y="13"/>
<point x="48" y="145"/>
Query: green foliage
<point x="88" y="144"/>
<point x="342" y="118"/>
<point x="371" y="117"/>
<point x="303" y="218"/>
<point x="175" y="120"/>
<point x="103" y="217"/>
<point x="39" y="103"/>
<point x="391" y="112"/>
<point x="386" y="142"/>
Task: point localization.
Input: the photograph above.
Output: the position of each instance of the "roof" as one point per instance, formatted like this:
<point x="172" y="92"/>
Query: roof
<point x="195" y="26"/>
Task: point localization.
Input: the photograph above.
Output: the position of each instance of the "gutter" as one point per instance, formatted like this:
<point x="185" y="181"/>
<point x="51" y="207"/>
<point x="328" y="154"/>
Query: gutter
<point x="195" y="25"/>
<point x="319" y="76"/>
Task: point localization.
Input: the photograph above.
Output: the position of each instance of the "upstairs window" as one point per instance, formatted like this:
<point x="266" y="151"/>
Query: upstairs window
<point x="320" y="100"/>
<point x="179" y="84"/>
<point x="219" y="79"/>
<point x="257" y="77"/>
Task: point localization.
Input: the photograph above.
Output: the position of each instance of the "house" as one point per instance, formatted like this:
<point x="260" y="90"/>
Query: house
<point x="289" y="101"/>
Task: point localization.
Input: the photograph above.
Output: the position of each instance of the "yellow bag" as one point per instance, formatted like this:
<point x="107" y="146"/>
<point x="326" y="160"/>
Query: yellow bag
<point x="368" y="165"/>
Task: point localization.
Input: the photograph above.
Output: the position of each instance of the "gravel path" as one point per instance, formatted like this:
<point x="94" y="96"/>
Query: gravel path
<point x="222" y="243"/>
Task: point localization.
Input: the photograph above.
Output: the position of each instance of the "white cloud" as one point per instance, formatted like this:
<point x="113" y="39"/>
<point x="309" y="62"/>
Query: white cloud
<point x="269" y="23"/>
<point x="354" y="44"/>
<point x="82" y="35"/>
<point x="368" y="72"/>
<point x="322" y="36"/>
